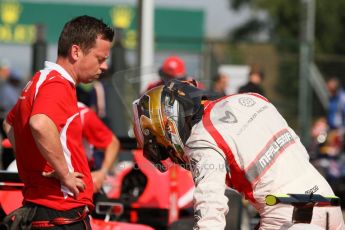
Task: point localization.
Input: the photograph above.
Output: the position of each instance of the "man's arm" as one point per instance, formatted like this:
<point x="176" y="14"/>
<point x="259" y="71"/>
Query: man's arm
<point x="48" y="142"/>
<point x="9" y="132"/>
<point x="210" y="202"/>
<point x="110" y="154"/>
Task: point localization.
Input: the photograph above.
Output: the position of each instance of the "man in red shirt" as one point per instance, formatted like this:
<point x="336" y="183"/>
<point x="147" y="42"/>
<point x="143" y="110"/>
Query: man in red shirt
<point x="45" y="129"/>
<point x="97" y="135"/>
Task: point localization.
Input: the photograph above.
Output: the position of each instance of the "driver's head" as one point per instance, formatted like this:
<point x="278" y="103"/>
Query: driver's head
<point x="163" y="118"/>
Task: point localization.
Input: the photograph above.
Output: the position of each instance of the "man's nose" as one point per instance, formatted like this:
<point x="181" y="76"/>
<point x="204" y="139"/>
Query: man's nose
<point x="104" y="66"/>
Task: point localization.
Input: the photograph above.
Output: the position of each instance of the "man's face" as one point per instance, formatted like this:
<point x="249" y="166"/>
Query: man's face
<point x="332" y="86"/>
<point x="92" y="64"/>
<point x="223" y="82"/>
<point x="255" y="78"/>
<point x="4" y="73"/>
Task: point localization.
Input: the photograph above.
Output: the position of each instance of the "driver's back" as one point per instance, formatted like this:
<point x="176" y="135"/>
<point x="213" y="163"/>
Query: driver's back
<point x="265" y="156"/>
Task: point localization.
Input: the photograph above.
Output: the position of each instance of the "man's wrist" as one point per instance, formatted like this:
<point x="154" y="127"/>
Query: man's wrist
<point x="64" y="176"/>
<point x="104" y="171"/>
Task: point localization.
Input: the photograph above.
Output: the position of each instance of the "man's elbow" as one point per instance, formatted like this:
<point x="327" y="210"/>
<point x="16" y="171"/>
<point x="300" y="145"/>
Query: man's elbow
<point x="116" y="143"/>
<point x="113" y="147"/>
<point x="6" y="126"/>
<point x="37" y="123"/>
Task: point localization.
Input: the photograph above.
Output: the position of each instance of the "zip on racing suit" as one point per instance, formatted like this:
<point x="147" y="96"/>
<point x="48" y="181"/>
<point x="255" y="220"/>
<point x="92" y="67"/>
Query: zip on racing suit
<point x="246" y="134"/>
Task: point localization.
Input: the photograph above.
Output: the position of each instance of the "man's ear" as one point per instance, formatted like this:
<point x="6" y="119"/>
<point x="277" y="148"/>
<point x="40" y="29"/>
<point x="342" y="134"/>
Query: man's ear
<point x="75" y="52"/>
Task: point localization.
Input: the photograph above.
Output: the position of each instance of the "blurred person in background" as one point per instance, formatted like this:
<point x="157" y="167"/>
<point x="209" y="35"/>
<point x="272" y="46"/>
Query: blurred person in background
<point x="10" y="86"/>
<point x="336" y="104"/>
<point x="173" y="67"/>
<point x="255" y="78"/>
<point x="93" y="96"/>
<point x="45" y="130"/>
<point x="332" y="150"/>
<point x="240" y="141"/>
<point x="318" y="134"/>
<point x="86" y="94"/>
<point x="219" y="86"/>
<point x="97" y="135"/>
<point x="101" y="148"/>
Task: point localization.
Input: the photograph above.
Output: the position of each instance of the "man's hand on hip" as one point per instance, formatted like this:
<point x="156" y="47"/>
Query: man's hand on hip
<point x="73" y="181"/>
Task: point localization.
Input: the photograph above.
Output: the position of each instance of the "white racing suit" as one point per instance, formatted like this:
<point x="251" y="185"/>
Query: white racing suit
<point x="246" y="133"/>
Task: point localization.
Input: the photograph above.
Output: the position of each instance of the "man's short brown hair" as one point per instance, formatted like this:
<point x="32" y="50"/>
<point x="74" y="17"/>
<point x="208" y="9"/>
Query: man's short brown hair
<point x="83" y="31"/>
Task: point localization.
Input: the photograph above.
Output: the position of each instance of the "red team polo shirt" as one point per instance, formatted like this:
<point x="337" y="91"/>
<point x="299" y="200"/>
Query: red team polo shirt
<point x="95" y="132"/>
<point x="51" y="92"/>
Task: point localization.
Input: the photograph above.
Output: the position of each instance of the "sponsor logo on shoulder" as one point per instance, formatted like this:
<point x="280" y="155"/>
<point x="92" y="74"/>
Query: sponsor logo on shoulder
<point x="246" y="101"/>
<point x="27" y="86"/>
<point x="228" y="118"/>
<point x="252" y="118"/>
